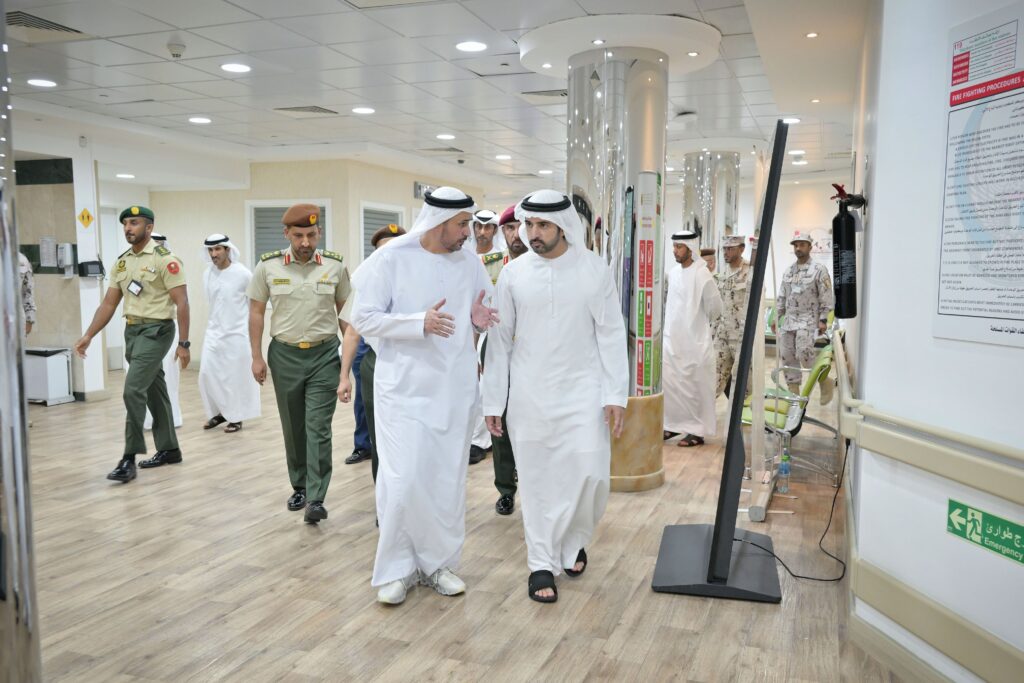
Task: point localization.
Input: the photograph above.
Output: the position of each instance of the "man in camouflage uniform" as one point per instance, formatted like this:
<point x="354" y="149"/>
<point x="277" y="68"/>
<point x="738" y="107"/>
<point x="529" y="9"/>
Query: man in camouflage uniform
<point x="734" y="285"/>
<point x="307" y="288"/>
<point x="151" y="281"/>
<point x="28" y="296"/>
<point x="803" y="304"/>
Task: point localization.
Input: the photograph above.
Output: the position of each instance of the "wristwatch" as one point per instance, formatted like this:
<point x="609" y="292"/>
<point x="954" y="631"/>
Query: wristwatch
<point x="184" y="344"/>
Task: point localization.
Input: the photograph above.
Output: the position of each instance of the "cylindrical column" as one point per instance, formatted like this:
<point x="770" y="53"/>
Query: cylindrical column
<point x="616" y="159"/>
<point x="19" y="630"/>
<point x="711" y="183"/>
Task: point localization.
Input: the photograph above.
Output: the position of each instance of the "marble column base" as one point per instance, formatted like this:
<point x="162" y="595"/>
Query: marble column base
<point x="636" y="455"/>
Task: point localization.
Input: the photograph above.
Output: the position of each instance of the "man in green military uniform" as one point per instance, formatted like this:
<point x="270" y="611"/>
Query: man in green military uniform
<point x="307" y="288"/>
<point x="152" y="283"/>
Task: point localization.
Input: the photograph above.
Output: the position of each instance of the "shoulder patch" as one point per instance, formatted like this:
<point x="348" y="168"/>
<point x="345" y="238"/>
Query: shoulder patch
<point x="163" y="251"/>
<point x="270" y="254"/>
<point x="333" y="255"/>
<point x="488" y="259"/>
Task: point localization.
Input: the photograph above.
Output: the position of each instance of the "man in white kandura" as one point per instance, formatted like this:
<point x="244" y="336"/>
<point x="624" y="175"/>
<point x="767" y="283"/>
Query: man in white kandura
<point x="559" y="356"/>
<point x="226" y="385"/>
<point x="422" y="297"/>
<point x="692" y="304"/>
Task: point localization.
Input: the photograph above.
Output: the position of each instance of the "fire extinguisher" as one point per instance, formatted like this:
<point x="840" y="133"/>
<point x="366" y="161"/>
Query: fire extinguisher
<point x="844" y="252"/>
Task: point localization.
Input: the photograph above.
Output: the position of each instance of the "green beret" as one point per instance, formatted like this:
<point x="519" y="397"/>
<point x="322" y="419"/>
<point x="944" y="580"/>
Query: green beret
<point x="143" y="211"/>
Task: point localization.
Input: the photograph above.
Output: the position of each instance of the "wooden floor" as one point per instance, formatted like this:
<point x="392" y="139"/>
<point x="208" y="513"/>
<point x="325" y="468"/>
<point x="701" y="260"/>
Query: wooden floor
<point x="198" y="572"/>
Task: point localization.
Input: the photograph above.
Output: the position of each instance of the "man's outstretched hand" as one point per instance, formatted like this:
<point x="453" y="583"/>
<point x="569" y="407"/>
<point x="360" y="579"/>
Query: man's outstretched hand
<point x="483" y="316"/>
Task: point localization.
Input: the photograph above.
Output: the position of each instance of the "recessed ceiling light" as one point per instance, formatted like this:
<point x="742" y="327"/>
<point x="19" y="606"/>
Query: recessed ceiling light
<point x="791" y="120"/>
<point x="796" y="182"/>
<point x="502" y="157"/>
<point x="545" y="65"/>
<point x="471" y="46"/>
<point x="236" y="68"/>
<point x="41" y="83"/>
<point x="800" y="162"/>
<point x="199" y="119"/>
<point x="545" y="171"/>
<point x="692" y="53"/>
<point x="812" y="34"/>
<point x="815" y="100"/>
<point x="597" y="41"/>
<point x="703" y="149"/>
<point x="796" y="152"/>
<point x="126" y="176"/>
<point x="669" y="169"/>
<point x="363" y="110"/>
<point x="598" y="94"/>
<point x="445" y="136"/>
<point x="609" y="54"/>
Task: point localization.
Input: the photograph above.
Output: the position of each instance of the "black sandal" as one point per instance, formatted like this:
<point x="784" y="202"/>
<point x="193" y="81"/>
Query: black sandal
<point x="580" y="557"/>
<point x="691" y="440"/>
<point x="232" y="427"/>
<point x="540" y="580"/>
<point x="214" y="421"/>
<point x="666" y="435"/>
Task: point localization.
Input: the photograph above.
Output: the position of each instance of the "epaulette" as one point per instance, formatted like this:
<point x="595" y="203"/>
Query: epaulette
<point x="488" y="259"/>
<point x="163" y="251"/>
<point x="125" y="252"/>
<point x="271" y="254"/>
<point x="333" y="255"/>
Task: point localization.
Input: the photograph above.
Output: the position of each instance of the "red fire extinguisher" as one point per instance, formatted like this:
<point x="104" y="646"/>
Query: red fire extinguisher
<point x="844" y="252"/>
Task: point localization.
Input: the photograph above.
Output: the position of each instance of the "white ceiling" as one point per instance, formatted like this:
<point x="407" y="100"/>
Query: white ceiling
<point x="399" y="59"/>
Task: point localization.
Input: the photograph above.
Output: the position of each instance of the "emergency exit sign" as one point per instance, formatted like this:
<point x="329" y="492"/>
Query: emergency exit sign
<point x="986" y="530"/>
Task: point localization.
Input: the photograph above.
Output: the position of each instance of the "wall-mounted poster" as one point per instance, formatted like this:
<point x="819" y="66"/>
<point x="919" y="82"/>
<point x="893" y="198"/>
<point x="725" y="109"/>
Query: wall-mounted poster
<point x="980" y="293"/>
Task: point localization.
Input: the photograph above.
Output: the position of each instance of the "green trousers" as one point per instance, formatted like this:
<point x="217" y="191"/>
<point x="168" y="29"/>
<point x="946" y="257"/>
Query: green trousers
<point x="366" y="368"/>
<point x="504" y="461"/>
<point x="144" y="386"/>
<point x="306" y="386"/>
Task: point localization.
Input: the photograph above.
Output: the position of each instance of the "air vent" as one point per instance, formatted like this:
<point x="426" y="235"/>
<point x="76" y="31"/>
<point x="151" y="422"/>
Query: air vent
<point x="548" y="93"/>
<point x="838" y="155"/>
<point x="441" y="150"/>
<point x="520" y="175"/>
<point x="306" y="112"/>
<point x="29" y="28"/>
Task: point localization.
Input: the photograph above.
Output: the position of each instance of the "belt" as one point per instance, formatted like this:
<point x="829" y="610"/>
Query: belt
<point x="139" y="320"/>
<point x="304" y="344"/>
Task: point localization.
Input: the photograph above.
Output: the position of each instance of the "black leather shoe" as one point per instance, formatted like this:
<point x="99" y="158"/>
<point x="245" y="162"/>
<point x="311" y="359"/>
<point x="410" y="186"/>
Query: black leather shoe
<point x="476" y="454"/>
<point x="315" y="511"/>
<point x="505" y="505"/>
<point x="124" y="472"/>
<point x="297" y="501"/>
<point x="159" y="458"/>
<point x="358" y="455"/>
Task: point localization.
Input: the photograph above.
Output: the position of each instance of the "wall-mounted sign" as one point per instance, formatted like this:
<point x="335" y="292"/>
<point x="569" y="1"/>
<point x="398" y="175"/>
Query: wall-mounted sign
<point x="85" y="218"/>
<point x="420" y="189"/>
<point x="984" y="529"/>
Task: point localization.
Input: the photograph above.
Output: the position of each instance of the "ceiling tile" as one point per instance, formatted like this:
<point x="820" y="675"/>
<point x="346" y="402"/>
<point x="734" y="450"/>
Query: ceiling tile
<point x="521" y="83"/>
<point x="192" y="13"/>
<point x="272" y="9"/>
<point x="391" y="93"/>
<point x="417" y="21"/>
<point x="738" y="47"/>
<point x="19" y="87"/>
<point x="427" y="72"/>
<point x="715" y="70"/>
<point x="166" y="72"/>
<point x="141" y="109"/>
<point x="686" y="8"/>
<point x="218" y="88"/>
<point x="723" y="86"/>
<point x="484" y="102"/>
<point x="343" y="27"/>
<point x="259" y="66"/>
<point x="103" y="18"/>
<point x="156" y="44"/>
<point x="729" y="20"/>
<point x="718" y="4"/>
<point x="505" y="15"/>
<point x="101" y="96"/>
<point x="102" y="53"/>
<point x="307" y="59"/>
<point x="754" y="83"/>
<point x="390" y="51"/>
<point x="156" y="91"/>
<point x="760" y="97"/>
<point x="493" y="65"/>
<point x="254" y="35"/>
<point x="462" y="88"/>
<point x="207" y="105"/>
<point x="444" y="46"/>
<point x="749" y="66"/>
<point x="357" y="78"/>
<point x="33" y="61"/>
<point x="764" y="110"/>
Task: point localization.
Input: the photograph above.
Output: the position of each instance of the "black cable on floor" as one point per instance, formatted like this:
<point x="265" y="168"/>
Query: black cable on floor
<point x="842" y="474"/>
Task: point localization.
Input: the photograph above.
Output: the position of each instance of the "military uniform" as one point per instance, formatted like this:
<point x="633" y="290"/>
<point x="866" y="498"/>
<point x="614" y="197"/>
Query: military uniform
<point x="805" y="299"/>
<point x="493" y="263"/>
<point x="145" y="280"/>
<point x="303" y="356"/>
<point x="734" y="286"/>
<point x="28" y="296"/>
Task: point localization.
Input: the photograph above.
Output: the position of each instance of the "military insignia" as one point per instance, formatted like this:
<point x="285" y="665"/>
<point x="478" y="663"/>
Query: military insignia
<point x="173" y="268"/>
<point x="333" y="255"/>
<point x="135" y="211"/>
<point x="163" y="251"/>
<point x="488" y="259"/>
<point x="281" y="281"/>
<point x="121" y="266"/>
<point x="312" y="219"/>
<point x="270" y="254"/>
<point x="393" y="229"/>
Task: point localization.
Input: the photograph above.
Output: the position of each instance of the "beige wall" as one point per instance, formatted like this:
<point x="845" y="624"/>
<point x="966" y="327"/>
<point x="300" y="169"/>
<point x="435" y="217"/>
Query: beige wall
<point x="189" y="216"/>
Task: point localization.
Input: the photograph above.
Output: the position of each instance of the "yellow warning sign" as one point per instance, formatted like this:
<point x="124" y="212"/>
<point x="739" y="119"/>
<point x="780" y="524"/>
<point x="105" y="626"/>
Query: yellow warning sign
<point x="85" y="218"/>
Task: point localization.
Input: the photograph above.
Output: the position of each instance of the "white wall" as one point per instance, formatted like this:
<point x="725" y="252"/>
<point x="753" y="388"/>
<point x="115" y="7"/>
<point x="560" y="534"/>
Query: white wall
<point x="967" y="387"/>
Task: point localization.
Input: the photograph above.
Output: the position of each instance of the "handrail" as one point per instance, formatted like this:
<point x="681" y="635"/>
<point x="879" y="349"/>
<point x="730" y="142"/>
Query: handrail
<point x="853" y="411"/>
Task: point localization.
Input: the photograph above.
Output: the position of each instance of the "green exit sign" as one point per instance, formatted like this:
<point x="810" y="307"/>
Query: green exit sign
<point x="985" y="529"/>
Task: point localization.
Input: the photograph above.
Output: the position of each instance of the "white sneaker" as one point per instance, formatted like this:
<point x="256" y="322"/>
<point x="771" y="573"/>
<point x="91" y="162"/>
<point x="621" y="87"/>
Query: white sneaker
<point x="394" y="593"/>
<point x="445" y="582"/>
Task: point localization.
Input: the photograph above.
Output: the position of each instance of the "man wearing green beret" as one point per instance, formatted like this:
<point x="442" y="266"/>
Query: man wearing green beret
<point x="307" y="288"/>
<point x="152" y="283"/>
